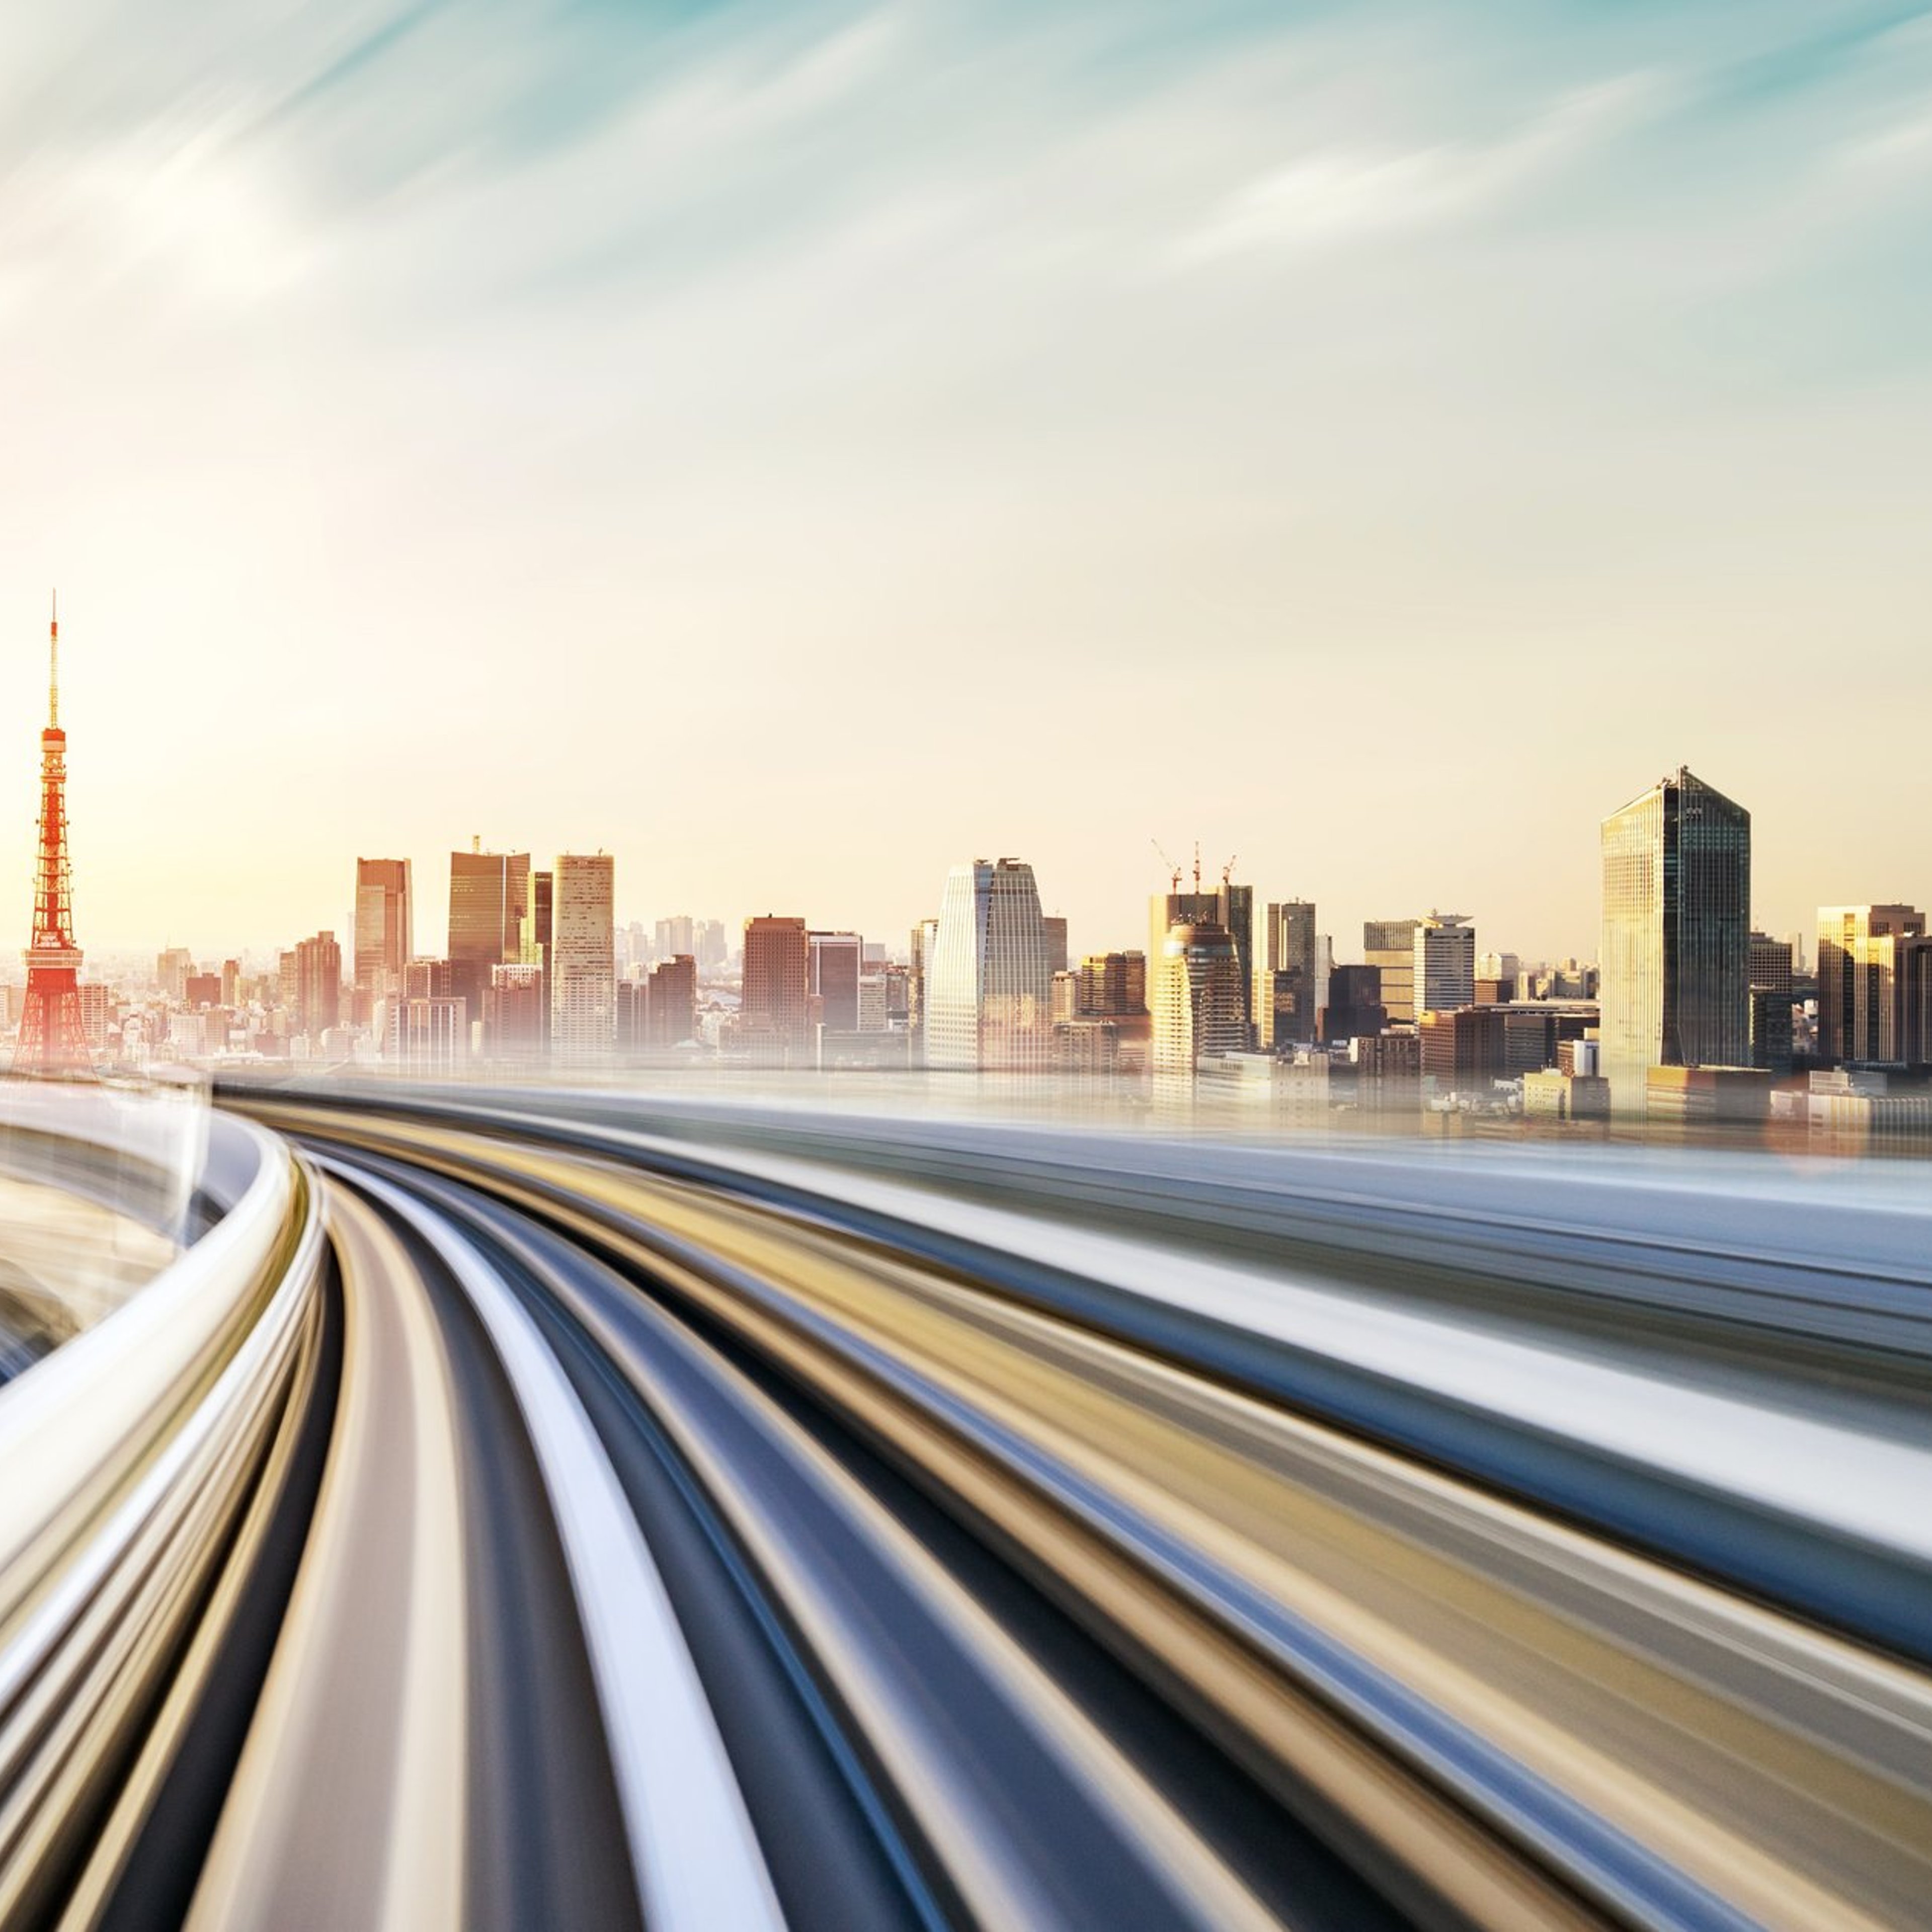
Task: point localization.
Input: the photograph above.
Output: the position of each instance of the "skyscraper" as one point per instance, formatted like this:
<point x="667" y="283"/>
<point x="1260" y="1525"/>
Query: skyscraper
<point x="1197" y="998"/>
<point x="1389" y="945"/>
<point x="989" y="992"/>
<point x="1676" y="954"/>
<point x="776" y="987"/>
<point x="384" y="926"/>
<point x="1771" y="1003"/>
<point x="1444" y="967"/>
<point x="671" y="1017"/>
<point x="1285" y="973"/>
<point x="1860" y="1016"/>
<point x="489" y="895"/>
<point x="583" y="957"/>
<point x="1055" y="924"/>
<point x="836" y="960"/>
<point x="515" y="1026"/>
<point x="1230" y="907"/>
<point x="318" y="1001"/>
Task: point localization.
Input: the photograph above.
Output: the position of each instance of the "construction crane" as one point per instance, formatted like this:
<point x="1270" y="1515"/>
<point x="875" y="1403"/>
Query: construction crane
<point x="1228" y="872"/>
<point x="1173" y="870"/>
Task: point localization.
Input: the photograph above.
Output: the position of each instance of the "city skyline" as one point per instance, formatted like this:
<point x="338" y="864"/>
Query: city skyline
<point x="1508" y="409"/>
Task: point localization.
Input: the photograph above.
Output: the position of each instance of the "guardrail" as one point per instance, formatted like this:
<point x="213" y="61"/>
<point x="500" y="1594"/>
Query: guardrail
<point x="127" y="1458"/>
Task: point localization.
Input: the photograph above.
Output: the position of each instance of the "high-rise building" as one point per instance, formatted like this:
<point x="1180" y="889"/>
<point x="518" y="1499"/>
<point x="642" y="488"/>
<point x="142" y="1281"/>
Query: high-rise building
<point x="203" y="989"/>
<point x="318" y="1000"/>
<point x="1285" y="957"/>
<point x="1055" y="924"/>
<point x="1914" y="1002"/>
<point x="671" y="1017"/>
<point x="515" y="1025"/>
<point x="1389" y="945"/>
<point x="773" y="1007"/>
<point x="1444" y="971"/>
<point x="1771" y="1003"/>
<point x="489" y="896"/>
<point x="676" y="934"/>
<point x="1354" y="1009"/>
<point x="919" y="967"/>
<point x="1676" y="957"/>
<point x="384" y="928"/>
<point x="583" y="957"/>
<point x="231" y="982"/>
<point x="1230" y="907"/>
<point x="989" y="994"/>
<point x="1197" y="1007"/>
<point x="834" y="966"/>
<point x="1859" y="1014"/>
<point x="428" y="1037"/>
<point x="171" y="971"/>
<point x="1113" y="984"/>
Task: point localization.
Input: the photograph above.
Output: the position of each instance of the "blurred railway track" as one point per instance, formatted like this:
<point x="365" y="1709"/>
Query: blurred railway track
<point x="536" y="1511"/>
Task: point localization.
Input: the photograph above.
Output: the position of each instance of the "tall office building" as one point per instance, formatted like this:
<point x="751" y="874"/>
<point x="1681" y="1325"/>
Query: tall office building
<point x="515" y="1025"/>
<point x="1285" y="959"/>
<point x="583" y="957"/>
<point x="1915" y="1001"/>
<point x="1675" y="990"/>
<point x="1112" y="985"/>
<point x="1860" y="1017"/>
<point x="1056" y="939"/>
<point x="671" y="1016"/>
<point x="318" y="1000"/>
<point x="489" y="895"/>
<point x="1444" y="970"/>
<point x="1771" y="1002"/>
<point x="774" y="1002"/>
<point x="1354" y="1009"/>
<point x="989" y="992"/>
<point x="1197" y="998"/>
<point x="1230" y="907"/>
<point x="384" y="927"/>
<point x="835" y="966"/>
<point x="1389" y="945"/>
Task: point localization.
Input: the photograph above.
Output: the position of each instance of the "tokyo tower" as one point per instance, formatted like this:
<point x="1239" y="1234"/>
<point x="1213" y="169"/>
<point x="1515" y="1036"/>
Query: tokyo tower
<point x="52" y="1039"/>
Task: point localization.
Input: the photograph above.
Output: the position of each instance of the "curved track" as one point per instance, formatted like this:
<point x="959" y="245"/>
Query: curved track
<point x="752" y="1522"/>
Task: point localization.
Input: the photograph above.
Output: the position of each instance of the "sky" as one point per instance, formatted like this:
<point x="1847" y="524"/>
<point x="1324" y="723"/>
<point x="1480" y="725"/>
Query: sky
<point x="799" y="448"/>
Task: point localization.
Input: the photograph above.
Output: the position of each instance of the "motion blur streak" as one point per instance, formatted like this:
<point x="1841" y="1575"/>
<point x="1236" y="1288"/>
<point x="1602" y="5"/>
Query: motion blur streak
<point x="693" y="1517"/>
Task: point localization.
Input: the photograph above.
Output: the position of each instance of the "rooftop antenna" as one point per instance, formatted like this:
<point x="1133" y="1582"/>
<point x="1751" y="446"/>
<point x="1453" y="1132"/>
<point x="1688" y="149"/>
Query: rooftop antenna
<point x="53" y="666"/>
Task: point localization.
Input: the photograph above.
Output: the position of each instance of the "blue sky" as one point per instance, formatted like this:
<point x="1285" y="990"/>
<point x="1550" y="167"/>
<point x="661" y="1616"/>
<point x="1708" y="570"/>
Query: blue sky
<point x="796" y="448"/>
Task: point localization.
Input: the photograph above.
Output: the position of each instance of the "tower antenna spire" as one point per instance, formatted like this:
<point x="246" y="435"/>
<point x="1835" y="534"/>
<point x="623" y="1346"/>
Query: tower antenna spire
<point x="53" y="666"/>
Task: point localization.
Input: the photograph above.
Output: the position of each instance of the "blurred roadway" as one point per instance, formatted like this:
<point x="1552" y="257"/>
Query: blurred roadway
<point x="701" y="1520"/>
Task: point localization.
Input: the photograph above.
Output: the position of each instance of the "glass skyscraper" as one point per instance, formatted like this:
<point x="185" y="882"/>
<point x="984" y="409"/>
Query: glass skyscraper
<point x="989" y="993"/>
<point x="1676" y="940"/>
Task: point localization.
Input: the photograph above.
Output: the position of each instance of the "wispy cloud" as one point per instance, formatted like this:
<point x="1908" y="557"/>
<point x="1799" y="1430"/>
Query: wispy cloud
<point x="1339" y="195"/>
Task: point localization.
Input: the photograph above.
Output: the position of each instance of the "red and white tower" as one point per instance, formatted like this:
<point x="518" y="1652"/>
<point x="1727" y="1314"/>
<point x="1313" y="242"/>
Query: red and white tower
<point x="52" y="1039"/>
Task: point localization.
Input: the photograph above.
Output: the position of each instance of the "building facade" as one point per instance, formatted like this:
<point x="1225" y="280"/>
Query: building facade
<point x="583" y="957"/>
<point x="1443" y="970"/>
<point x="1861" y="1009"/>
<point x="1675" y="985"/>
<point x="384" y="926"/>
<point x="1198" y="1007"/>
<point x="988" y="990"/>
<point x="489" y="895"/>
<point x="1389" y="945"/>
<point x="1286" y="954"/>
<point x="774" y="1004"/>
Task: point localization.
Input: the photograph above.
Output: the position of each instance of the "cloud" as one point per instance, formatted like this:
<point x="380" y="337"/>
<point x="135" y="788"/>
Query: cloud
<point x="1339" y="195"/>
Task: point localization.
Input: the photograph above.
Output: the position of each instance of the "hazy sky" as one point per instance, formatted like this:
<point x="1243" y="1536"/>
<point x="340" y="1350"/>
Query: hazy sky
<point x="796" y="448"/>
